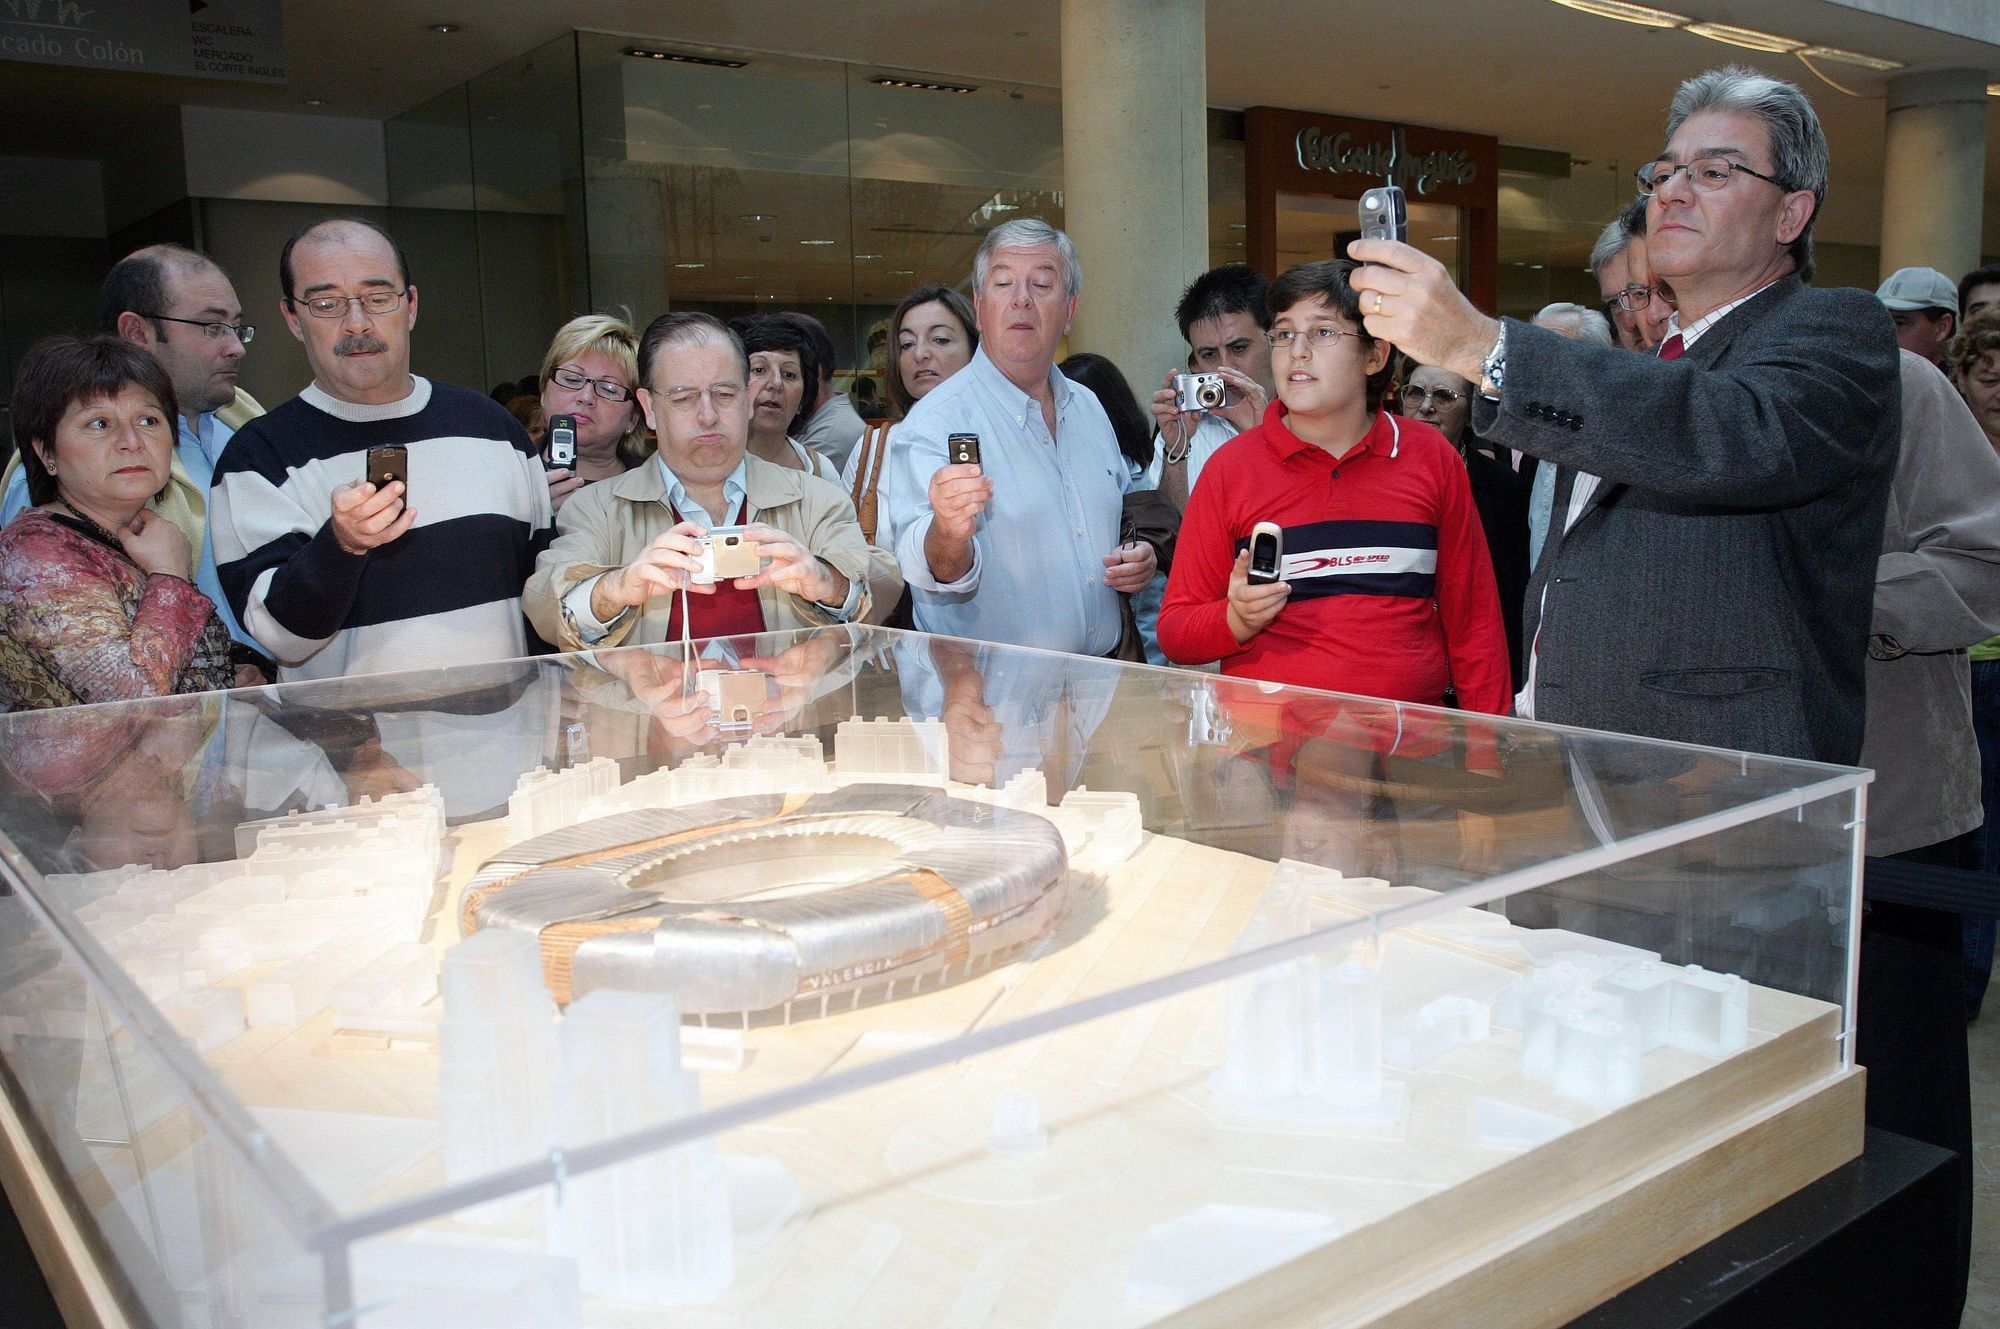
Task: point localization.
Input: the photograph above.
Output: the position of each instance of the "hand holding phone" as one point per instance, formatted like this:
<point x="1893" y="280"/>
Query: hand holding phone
<point x="1267" y="553"/>
<point x="387" y="463"/>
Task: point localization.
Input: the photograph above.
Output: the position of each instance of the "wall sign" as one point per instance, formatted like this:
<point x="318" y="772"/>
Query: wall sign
<point x="1343" y="153"/>
<point x="241" y="40"/>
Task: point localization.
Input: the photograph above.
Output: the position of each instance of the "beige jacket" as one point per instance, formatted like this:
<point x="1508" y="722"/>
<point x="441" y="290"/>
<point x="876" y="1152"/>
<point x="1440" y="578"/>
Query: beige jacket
<point x="604" y="526"/>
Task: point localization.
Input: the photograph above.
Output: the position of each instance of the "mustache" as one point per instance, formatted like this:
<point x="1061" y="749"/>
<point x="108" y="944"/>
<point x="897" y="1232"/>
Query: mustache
<point x="364" y="342"/>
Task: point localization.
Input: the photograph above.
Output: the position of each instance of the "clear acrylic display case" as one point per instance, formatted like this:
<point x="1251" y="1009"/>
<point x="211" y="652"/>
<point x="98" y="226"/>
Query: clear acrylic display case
<point x="863" y="977"/>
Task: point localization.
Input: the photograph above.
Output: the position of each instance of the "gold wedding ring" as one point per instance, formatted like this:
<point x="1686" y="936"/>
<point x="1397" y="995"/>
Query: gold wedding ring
<point x="1378" y="302"/>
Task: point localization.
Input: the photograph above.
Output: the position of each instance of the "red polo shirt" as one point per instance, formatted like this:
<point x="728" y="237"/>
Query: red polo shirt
<point x="1392" y="588"/>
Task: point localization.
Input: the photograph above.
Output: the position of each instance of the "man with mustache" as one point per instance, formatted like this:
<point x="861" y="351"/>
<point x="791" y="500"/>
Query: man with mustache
<point x="332" y="574"/>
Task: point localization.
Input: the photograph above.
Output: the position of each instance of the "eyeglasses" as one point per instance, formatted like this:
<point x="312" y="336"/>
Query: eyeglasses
<point x="1707" y="173"/>
<point x="243" y="332"/>
<point x="1633" y="299"/>
<point x="1414" y="397"/>
<point x="607" y="389"/>
<point x="721" y="395"/>
<point x="1322" y="337"/>
<point x="335" y="306"/>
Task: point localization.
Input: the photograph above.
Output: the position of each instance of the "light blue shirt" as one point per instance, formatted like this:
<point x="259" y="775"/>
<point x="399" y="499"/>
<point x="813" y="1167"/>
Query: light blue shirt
<point x="1037" y="575"/>
<point x="735" y="490"/>
<point x="199" y="449"/>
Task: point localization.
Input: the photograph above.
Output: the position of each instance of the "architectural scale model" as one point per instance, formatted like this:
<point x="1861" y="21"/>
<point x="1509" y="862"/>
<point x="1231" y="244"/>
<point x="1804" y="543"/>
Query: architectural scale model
<point x="612" y="956"/>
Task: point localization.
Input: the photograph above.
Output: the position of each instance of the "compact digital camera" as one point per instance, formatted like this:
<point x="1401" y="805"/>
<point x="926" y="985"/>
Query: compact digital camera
<point x="1199" y="392"/>
<point x="726" y="554"/>
<point x="736" y="696"/>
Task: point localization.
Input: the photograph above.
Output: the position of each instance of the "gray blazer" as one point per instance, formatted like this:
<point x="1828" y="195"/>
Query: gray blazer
<point x="1719" y="586"/>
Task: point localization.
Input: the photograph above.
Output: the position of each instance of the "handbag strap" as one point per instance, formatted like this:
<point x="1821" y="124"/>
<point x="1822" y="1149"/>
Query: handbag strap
<point x="868" y="476"/>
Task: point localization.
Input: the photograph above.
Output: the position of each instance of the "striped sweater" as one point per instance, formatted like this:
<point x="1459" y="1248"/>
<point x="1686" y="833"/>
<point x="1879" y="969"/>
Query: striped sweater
<point x="448" y="592"/>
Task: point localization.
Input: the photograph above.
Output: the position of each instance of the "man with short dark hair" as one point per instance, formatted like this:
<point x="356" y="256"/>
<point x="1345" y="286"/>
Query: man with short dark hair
<point x="178" y="305"/>
<point x="1977" y="290"/>
<point x="832" y="425"/>
<point x="629" y="546"/>
<point x="1924" y="305"/>
<point x="335" y="575"/>
<point x="1224" y="317"/>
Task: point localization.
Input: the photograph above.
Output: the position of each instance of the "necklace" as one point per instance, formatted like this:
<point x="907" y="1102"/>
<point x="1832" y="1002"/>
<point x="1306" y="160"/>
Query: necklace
<point x="92" y="526"/>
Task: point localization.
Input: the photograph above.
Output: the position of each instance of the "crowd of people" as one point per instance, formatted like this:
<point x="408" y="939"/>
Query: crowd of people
<point x="1724" y="508"/>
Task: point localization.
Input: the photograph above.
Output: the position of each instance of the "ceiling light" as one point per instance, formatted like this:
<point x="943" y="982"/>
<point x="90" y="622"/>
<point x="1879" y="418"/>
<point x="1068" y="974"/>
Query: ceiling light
<point x="683" y="57"/>
<point x="447" y="28"/>
<point x="921" y="85"/>
<point x="1748" y="38"/>
<point x="1443" y="237"/>
<point x="815" y="242"/>
<point x="746" y="277"/>
<point x="911" y="272"/>
<point x="315" y="101"/>
<point x="1838" y="56"/>
<point x="690" y="265"/>
<point x="867" y="256"/>
<point x="754" y="216"/>
<point x="1644" y="15"/>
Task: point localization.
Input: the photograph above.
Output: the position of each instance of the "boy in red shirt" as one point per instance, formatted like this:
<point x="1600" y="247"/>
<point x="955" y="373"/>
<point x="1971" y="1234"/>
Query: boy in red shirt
<point x="1386" y="589"/>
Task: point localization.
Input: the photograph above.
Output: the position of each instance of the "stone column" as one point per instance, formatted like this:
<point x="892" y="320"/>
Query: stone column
<point x="1135" y="174"/>
<point x="1933" y="171"/>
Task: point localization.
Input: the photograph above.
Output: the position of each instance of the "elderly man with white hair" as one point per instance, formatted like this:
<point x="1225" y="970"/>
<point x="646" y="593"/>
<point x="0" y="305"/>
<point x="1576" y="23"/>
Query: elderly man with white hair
<point x="1022" y="545"/>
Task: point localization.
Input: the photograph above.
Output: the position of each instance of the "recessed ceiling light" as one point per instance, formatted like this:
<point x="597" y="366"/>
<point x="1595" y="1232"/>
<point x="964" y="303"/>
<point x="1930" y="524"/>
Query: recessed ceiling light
<point x="690" y="265"/>
<point x="922" y="85"/>
<point x="911" y="272"/>
<point x="684" y="57"/>
<point x="754" y="216"/>
<point x="447" y="28"/>
<point x="1838" y="56"/>
<point x="315" y="101"/>
<point x="746" y="277"/>
<point x="1644" y="15"/>
<point x="866" y="256"/>
<point x="1239" y="226"/>
<point x="1748" y="38"/>
<point x="1444" y="237"/>
<point x="815" y="242"/>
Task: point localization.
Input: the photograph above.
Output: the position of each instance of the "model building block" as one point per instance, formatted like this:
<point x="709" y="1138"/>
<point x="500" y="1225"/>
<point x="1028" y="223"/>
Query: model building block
<point x="496" y="1054"/>
<point x="656" y="1229"/>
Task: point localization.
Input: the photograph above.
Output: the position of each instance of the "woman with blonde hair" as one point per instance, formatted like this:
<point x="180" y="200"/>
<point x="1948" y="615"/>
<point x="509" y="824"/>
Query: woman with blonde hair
<point x="590" y="374"/>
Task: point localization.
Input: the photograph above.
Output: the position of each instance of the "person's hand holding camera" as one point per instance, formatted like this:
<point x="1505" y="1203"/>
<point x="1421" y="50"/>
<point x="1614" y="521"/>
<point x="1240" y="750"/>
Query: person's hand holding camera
<point x="662" y="567"/>
<point x="791" y="567"/>
<point x="958" y="494"/>
<point x="1253" y="605"/>
<point x="1244" y="406"/>
<point x="563" y="482"/>
<point x="365" y="517"/>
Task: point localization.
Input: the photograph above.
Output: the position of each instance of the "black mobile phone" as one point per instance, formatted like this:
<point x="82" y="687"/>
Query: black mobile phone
<point x="1267" y="553"/>
<point x="561" y="450"/>
<point x="963" y="449"/>
<point x="389" y="462"/>
<point x="1384" y="214"/>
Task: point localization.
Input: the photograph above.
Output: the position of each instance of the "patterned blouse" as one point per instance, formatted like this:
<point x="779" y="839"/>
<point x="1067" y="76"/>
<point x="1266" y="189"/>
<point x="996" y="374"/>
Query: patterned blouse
<point x="80" y="622"/>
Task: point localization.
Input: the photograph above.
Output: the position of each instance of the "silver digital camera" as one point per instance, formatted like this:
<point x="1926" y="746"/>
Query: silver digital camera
<point x="726" y="554"/>
<point x="1199" y="392"/>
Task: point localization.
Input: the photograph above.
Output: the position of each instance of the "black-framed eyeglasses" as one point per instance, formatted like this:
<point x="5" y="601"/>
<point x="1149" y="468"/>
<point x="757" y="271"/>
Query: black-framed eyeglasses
<point x="607" y="389"/>
<point x="335" y="306"/>
<point x="1707" y="174"/>
<point x="1634" y="299"/>
<point x="1324" y="336"/>
<point x="243" y="332"/>
<point x="1414" y="397"/>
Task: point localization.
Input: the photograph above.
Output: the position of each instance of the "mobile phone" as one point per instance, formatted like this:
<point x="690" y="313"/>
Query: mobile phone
<point x="389" y="462"/>
<point x="963" y="449"/>
<point x="1267" y="553"/>
<point x="1384" y="214"/>
<point x="562" y="442"/>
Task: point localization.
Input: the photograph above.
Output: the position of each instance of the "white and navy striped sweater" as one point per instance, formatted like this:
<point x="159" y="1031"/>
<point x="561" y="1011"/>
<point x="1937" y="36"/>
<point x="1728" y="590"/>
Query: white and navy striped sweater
<point x="448" y="592"/>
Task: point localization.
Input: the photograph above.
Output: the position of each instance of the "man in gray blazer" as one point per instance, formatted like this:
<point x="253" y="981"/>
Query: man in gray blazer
<point x="1714" y="586"/>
